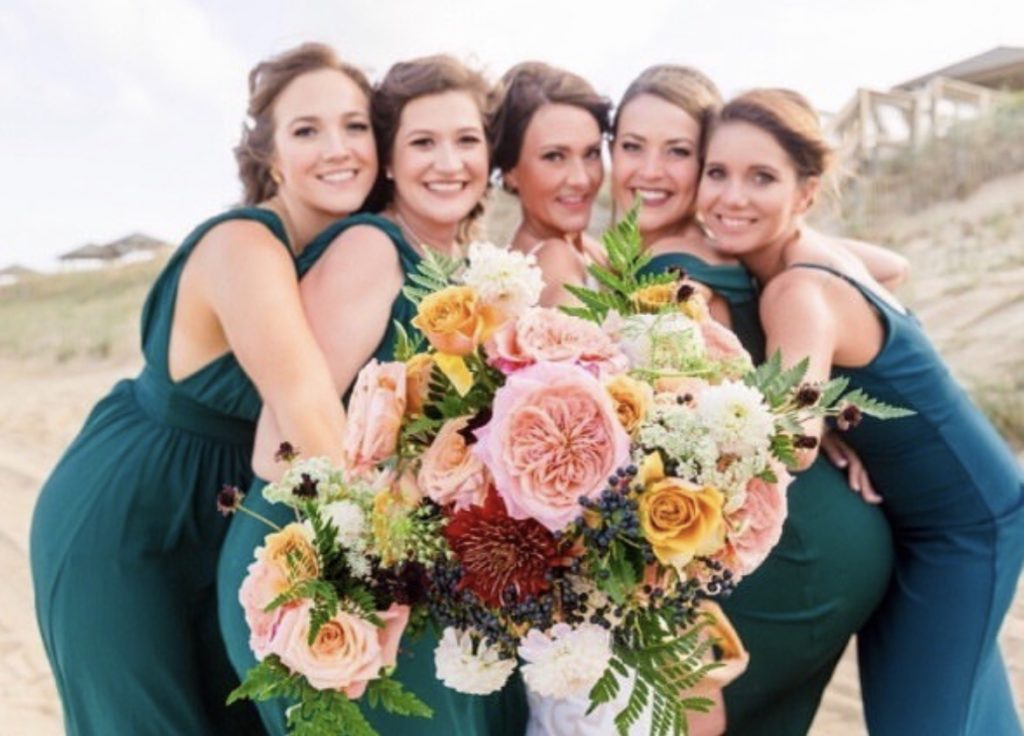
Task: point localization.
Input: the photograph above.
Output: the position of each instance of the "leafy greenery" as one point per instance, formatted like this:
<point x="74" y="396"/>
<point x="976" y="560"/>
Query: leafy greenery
<point x="622" y="277"/>
<point x="433" y="273"/>
<point x="406" y="345"/>
<point x="665" y="666"/>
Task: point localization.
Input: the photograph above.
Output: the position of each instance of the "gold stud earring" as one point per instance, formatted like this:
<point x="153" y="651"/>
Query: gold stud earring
<point x="275" y="175"/>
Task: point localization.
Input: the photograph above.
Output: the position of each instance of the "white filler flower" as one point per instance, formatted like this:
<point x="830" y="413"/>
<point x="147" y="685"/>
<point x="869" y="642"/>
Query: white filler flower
<point x="567" y="662"/>
<point x="460" y="669"/>
<point x="737" y="418"/>
<point x="505" y="279"/>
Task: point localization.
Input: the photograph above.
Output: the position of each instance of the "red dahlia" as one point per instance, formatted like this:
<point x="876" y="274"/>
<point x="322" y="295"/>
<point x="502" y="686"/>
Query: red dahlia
<point x="498" y="552"/>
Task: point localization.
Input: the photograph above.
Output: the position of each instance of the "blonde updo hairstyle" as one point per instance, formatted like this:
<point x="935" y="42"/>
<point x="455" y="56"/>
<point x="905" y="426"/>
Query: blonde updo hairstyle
<point x="267" y="81"/>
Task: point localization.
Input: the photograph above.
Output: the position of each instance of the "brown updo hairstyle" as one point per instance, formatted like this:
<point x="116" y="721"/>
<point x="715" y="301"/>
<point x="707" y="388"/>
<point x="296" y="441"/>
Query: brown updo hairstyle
<point x="267" y="81"/>
<point x="682" y="86"/>
<point x="410" y="80"/>
<point x="789" y="118"/>
<point x="526" y="88"/>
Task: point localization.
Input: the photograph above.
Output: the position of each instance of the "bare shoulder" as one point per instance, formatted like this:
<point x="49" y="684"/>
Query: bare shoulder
<point x="365" y="245"/>
<point x="796" y="291"/>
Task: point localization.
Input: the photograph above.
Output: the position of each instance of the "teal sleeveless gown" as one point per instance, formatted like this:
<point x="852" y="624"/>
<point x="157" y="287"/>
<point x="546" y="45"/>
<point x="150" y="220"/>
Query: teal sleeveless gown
<point x="126" y="533"/>
<point x="796" y="613"/>
<point x="954" y="495"/>
<point x="454" y="714"/>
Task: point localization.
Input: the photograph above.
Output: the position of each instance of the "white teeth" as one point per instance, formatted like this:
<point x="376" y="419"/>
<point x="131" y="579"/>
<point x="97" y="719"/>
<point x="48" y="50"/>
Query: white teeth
<point x="579" y="199"/>
<point x="652" y="195"/>
<point x="734" y="222"/>
<point x="445" y="186"/>
<point x="335" y="177"/>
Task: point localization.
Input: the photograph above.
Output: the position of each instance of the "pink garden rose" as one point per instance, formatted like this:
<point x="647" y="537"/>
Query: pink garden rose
<point x="374" y="414"/>
<point x="542" y="334"/>
<point x="348" y="651"/>
<point x="759" y="521"/>
<point x="449" y="472"/>
<point x="554" y="436"/>
<point x="270" y="576"/>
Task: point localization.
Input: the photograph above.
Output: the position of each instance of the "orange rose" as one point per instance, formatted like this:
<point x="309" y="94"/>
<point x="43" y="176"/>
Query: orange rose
<point x="454" y="320"/>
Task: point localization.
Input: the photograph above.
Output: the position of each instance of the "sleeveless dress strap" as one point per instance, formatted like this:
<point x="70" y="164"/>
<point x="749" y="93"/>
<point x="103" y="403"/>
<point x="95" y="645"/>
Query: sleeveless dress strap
<point x="158" y="311"/>
<point x="311" y="254"/>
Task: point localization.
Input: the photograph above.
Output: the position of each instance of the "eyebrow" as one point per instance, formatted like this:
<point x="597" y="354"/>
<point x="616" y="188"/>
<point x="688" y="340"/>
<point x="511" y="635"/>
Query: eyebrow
<point x="316" y="118"/>
<point x="670" y="141"/>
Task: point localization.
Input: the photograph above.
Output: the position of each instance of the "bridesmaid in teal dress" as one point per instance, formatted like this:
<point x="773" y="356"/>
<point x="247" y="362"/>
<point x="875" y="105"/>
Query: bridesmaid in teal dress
<point x="125" y="534"/>
<point x="431" y="133"/>
<point x="952" y="490"/>
<point x="796" y="613"/>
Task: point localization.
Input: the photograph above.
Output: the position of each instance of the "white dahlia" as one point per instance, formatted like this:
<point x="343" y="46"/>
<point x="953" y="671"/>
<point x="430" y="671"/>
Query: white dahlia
<point x="503" y="278"/>
<point x="567" y="662"/>
<point x="479" y="673"/>
<point x="737" y="418"/>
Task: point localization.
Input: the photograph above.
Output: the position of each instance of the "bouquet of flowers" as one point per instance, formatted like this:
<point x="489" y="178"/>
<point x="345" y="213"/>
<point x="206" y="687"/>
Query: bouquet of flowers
<point x="569" y="490"/>
<point x="329" y="596"/>
<point x="598" y="474"/>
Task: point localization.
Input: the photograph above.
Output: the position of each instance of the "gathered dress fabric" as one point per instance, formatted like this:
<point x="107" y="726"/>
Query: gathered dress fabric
<point x="796" y="613"/>
<point x="455" y="714"/>
<point x="954" y="494"/>
<point x="125" y="537"/>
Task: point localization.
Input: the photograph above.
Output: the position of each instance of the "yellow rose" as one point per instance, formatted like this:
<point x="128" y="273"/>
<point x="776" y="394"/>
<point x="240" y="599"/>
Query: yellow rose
<point x="654" y="298"/>
<point x="417" y="382"/>
<point x="454" y="320"/>
<point x="291" y="543"/>
<point x="632" y="400"/>
<point x="680" y="520"/>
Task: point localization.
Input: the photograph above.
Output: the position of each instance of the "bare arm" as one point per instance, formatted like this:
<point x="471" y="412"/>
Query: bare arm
<point x="348" y="297"/>
<point x="887" y="267"/>
<point x="561" y="265"/>
<point x="800" y="322"/>
<point x="250" y="284"/>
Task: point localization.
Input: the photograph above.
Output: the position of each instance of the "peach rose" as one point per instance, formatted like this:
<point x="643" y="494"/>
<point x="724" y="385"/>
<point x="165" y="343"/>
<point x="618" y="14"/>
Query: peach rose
<point x="758" y="522"/>
<point x="347" y="652"/>
<point x="375" y="412"/>
<point x="270" y="576"/>
<point x="632" y="399"/>
<point x="542" y="334"/>
<point x="417" y="382"/>
<point x="449" y="472"/>
<point x="553" y="437"/>
<point x="680" y="520"/>
<point x="455" y="321"/>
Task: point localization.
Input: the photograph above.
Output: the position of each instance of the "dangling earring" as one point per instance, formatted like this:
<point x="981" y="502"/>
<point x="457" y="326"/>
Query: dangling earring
<point x="275" y="176"/>
<point x="388" y="175"/>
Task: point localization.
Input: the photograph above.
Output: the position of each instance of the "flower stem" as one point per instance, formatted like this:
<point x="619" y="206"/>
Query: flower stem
<point x="259" y="517"/>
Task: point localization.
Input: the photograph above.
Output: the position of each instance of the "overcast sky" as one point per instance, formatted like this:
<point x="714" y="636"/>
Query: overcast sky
<point x="120" y="115"/>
